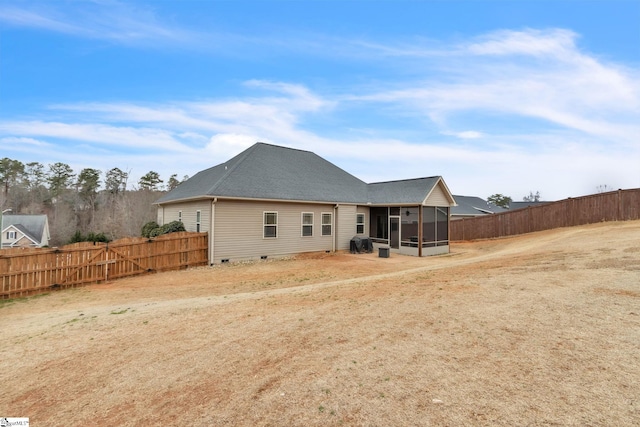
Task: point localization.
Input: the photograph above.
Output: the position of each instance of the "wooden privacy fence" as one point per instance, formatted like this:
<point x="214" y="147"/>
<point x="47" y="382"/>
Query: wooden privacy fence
<point x="31" y="271"/>
<point x="621" y="205"/>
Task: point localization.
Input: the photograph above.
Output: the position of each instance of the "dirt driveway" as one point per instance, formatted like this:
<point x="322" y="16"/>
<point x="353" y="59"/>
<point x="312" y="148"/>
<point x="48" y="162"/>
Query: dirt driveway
<point x="539" y="330"/>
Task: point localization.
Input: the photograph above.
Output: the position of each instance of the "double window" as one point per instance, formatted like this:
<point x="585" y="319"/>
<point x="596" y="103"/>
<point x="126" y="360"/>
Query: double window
<point x="270" y="225"/>
<point x="307" y="224"/>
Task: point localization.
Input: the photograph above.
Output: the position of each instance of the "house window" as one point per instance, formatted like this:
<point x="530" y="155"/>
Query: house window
<point x="327" y="223"/>
<point x="360" y="223"/>
<point x="198" y="218"/>
<point x="11" y="235"/>
<point x="307" y="224"/>
<point x="180" y="216"/>
<point x="270" y="225"/>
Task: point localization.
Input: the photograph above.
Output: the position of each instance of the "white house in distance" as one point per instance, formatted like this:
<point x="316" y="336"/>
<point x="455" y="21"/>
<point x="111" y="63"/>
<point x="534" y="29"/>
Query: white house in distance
<point x="272" y="201"/>
<point x="25" y="231"/>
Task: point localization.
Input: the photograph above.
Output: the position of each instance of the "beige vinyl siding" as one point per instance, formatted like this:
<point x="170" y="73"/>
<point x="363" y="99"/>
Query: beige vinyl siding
<point x="189" y="215"/>
<point x="438" y="197"/>
<point x="239" y="230"/>
<point x="160" y="215"/>
<point x="345" y="226"/>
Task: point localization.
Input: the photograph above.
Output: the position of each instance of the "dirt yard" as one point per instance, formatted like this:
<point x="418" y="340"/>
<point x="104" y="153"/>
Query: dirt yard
<point x="536" y="330"/>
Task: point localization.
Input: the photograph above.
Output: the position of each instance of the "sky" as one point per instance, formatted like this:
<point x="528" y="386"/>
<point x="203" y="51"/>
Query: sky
<point x="497" y="97"/>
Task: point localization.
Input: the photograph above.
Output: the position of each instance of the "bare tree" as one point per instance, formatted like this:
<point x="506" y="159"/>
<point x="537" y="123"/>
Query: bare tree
<point x="532" y="197"/>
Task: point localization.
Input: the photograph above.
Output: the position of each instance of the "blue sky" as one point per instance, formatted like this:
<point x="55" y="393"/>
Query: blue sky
<point x="497" y="97"/>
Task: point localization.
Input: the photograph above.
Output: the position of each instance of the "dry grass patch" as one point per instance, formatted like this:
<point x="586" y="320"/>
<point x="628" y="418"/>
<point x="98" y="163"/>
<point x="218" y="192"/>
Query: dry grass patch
<point x="541" y="329"/>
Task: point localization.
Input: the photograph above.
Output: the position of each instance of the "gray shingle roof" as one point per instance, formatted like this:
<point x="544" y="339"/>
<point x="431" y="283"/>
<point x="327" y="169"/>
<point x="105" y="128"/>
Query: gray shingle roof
<point x="521" y="205"/>
<point x="265" y="171"/>
<point x="31" y="225"/>
<point x="473" y="206"/>
<point x="401" y="192"/>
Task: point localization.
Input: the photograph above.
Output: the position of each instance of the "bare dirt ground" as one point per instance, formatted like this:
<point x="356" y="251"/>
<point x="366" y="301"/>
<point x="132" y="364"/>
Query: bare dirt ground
<point x="538" y="330"/>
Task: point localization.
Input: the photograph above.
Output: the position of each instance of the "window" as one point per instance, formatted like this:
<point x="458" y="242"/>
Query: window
<point x="327" y="222"/>
<point x="198" y="219"/>
<point x="180" y="216"/>
<point x="12" y="235"/>
<point x="270" y="225"/>
<point x="360" y="223"/>
<point x="307" y="224"/>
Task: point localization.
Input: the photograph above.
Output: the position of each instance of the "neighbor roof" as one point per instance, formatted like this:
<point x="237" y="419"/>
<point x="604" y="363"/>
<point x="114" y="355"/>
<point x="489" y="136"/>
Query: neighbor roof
<point x="265" y="171"/>
<point x="30" y="225"/>
<point x="474" y="206"/>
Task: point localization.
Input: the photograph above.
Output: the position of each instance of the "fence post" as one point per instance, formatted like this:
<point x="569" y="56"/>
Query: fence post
<point x="619" y="214"/>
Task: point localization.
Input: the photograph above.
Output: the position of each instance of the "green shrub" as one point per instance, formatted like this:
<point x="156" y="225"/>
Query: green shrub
<point x="148" y="228"/>
<point x="173" y="227"/>
<point x="91" y="237"/>
<point x="152" y="229"/>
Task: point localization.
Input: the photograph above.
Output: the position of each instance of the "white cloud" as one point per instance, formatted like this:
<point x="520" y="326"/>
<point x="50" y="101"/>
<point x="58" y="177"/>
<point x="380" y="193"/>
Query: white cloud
<point x="541" y="43"/>
<point x="108" y="20"/>
<point x="12" y="140"/>
<point x="467" y="134"/>
<point x="107" y="135"/>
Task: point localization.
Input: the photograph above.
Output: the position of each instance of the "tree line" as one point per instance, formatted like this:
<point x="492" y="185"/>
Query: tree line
<point x="87" y="203"/>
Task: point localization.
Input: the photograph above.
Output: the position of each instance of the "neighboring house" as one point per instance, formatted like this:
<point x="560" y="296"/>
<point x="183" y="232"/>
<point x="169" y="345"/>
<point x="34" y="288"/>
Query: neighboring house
<point x="25" y="231"/>
<point x="521" y="205"/>
<point x="271" y="201"/>
<point x="471" y="207"/>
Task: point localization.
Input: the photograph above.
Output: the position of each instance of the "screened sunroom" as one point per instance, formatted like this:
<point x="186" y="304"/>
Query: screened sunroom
<point x="411" y="230"/>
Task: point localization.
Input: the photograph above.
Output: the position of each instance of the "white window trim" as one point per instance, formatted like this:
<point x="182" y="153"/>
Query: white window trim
<point x="180" y="216"/>
<point x="303" y="225"/>
<point x="12" y="235"/>
<point x="330" y="224"/>
<point x="264" y="224"/>
<point x="358" y="223"/>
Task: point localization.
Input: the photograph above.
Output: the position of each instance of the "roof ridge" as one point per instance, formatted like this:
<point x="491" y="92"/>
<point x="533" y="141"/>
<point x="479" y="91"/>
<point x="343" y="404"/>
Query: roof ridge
<point x="406" y="179"/>
<point x="284" y="147"/>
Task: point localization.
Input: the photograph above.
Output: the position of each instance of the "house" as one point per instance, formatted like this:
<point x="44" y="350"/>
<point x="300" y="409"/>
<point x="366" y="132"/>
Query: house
<point x="522" y="205"/>
<point x="272" y="201"/>
<point x="25" y="231"/>
<point x="471" y="207"/>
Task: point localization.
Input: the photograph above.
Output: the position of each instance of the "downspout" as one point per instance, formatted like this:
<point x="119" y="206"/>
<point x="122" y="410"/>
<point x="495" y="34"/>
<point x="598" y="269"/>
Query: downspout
<point x="420" y="231"/>
<point x="211" y="230"/>
<point x="334" y="228"/>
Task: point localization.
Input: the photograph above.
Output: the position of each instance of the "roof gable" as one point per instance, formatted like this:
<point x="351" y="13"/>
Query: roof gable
<point x="401" y="192"/>
<point x="22" y="233"/>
